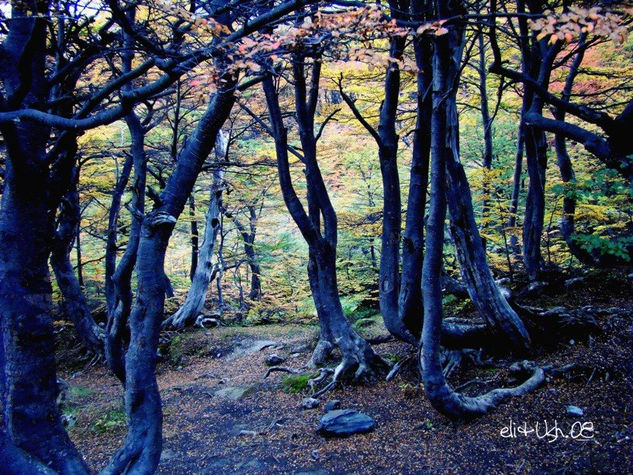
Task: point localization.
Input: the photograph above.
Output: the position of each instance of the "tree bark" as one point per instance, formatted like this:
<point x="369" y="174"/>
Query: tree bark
<point x="487" y="125"/>
<point x="358" y="355"/>
<point x="538" y="61"/>
<point x="194" y="237"/>
<point x="75" y="305"/>
<point x="141" y="450"/>
<point x="248" y="237"/>
<point x="119" y="309"/>
<point x="444" y="143"/>
<point x="31" y="417"/>
<point x="410" y="305"/>
<point x="113" y="230"/>
<point x="469" y="248"/>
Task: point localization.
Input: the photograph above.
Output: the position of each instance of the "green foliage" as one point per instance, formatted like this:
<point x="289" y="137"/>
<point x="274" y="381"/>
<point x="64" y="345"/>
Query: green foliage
<point x="297" y="383"/>
<point x="617" y="247"/>
<point x="114" y="419"/>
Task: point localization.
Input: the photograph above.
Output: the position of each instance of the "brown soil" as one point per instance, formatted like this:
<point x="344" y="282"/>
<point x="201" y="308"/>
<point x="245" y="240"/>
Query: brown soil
<point x="266" y="431"/>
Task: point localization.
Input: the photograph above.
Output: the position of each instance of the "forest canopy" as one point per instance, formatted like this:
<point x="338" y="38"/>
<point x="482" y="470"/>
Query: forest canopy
<point x="435" y="171"/>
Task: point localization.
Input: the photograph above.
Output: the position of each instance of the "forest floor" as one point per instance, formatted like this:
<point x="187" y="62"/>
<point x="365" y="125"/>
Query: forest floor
<point x="222" y="416"/>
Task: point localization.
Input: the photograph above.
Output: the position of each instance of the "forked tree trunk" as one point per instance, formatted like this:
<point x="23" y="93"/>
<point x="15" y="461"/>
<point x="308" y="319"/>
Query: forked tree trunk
<point x="358" y="356"/>
<point x="75" y="305"/>
<point x="113" y="231"/>
<point x="121" y="304"/>
<point x="400" y="297"/>
<point x="444" y="150"/>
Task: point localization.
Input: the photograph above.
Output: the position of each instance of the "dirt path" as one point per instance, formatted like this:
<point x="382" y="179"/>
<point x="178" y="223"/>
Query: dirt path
<point x="221" y="416"/>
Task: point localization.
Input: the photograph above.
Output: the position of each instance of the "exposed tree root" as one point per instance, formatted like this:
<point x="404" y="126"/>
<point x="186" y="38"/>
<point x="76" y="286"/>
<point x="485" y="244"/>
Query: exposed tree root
<point x="322" y="376"/>
<point x="321" y="353"/>
<point x="282" y="369"/>
<point x="452" y="361"/>
<point x="397" y="367"/>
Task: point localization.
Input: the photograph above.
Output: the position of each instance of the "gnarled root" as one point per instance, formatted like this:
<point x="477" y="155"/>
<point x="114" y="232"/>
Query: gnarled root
<point x="321" y="353"/>
<point x="283" y="369"/>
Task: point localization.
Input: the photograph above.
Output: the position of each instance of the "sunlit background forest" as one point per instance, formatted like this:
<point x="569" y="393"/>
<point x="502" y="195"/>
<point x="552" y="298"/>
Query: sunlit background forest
<point x="348" y="159"/>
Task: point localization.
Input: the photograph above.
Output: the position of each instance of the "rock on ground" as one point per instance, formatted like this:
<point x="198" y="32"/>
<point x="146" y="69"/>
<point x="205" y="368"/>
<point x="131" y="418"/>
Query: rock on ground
<point x="344" y="422"/>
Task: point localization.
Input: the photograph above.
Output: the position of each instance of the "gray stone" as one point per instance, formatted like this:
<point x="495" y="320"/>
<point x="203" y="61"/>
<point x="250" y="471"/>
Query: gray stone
<point x="332" y="405"/>
<point x="309" y="403"/>
<point x="274" y="360"/>
<point x="536" y="288"/>
<point x="364" y="322"/>
<point x="344" y="422"/>
<point x="166" y="455"/>
<point x="575" y="411"/>
<point x="233" y="392"/>
<point x="248" y="347"/>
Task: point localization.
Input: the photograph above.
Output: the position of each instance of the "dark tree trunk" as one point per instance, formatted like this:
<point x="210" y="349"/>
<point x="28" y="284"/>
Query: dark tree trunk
<point x="194" y="237"/>
<point x="444" y="150"/>
<point x="113" y="231"/>
<point x="539" y="60"/>
<point x="75" y="305"/>
<point x="248" y="236"/>
<point x="389" y="273"/>
<point x="516" y="179"/>
<point x="31" y="417"/>
<point x="119" y="309"/>
<point x="487" y="124"/>
<point x="141" y="450"/>
<point x="80" y="266"/>
<point x="469" y="248"/>
<point x="410" y="305"/>
<point x="358" y="356"/>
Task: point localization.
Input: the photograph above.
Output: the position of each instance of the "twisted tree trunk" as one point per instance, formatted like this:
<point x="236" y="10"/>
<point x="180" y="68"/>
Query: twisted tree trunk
<point x="140" y="452"/>
<point x="446" y="60"/>
<point x="358" y="356"/>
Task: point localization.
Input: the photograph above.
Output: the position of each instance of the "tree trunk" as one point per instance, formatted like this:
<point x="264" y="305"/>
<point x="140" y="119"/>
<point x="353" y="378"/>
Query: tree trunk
<point x="113" y="231"/>
<point x="75" y="305"/>
<point x="116" y="328"/>
<point x="540" y="60"/>
<point x="30" y="414"/>
<point x="487" y="125"/>
<point x="141" y="450"/>
<point x="358" y="356"/>
<point x="248" y="237"/>
<point x="194" y="303"/>
<point x="468" y="244"/>
<point x="410" y="306"/>
<point x="389" y="273"/>
<point x="194" y="237"/>
<point x="516" y="178"/>
<point x="444" y="151"/>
